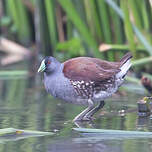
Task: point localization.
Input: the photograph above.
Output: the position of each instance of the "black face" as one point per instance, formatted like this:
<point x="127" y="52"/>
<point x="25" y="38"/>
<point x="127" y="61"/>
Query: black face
<point x="47" y="63"/>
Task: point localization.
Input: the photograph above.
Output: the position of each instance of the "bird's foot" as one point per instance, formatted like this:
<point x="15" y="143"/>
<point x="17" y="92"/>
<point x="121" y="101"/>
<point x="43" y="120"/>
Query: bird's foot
<point x="86" y="118"/>
<point x="77" y="118"/>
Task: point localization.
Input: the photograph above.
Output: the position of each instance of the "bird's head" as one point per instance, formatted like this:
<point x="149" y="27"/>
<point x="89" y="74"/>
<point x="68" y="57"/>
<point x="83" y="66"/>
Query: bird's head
<point x="49" y="64"/>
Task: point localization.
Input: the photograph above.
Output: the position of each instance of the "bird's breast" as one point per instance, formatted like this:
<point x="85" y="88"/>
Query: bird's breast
<point x="60" y="87"/>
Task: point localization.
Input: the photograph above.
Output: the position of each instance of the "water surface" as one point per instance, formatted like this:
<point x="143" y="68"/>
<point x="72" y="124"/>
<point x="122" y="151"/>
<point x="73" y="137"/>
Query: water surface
<point x="25" y="105"/>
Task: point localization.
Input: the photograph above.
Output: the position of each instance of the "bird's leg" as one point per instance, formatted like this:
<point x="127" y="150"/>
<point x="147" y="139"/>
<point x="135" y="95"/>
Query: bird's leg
<point x="94" y="110"/>
<point x="83" y="113"/>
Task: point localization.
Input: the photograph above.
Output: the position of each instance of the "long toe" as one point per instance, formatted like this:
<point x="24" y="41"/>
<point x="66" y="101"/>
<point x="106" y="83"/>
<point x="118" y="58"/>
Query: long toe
<point x="78" y="118"/>
<point x="86" y="118"/>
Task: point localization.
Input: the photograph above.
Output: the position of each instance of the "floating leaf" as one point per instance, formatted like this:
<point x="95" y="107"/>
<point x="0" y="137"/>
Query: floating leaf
<point x="12" y="134"/>
<point x="13" y="131"/>
<point x="114" y="132"/>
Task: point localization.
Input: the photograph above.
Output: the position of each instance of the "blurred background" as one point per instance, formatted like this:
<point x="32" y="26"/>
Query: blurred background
<point x="106" y="29"/>
<point x="68" y="28"/>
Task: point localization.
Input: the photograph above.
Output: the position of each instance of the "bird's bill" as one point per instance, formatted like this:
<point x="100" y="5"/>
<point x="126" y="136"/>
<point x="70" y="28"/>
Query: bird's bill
<point x="42" y="66"/>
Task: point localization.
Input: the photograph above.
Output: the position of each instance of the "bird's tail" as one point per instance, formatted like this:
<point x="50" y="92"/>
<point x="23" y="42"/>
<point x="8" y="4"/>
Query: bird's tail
<point x="124" y="65"/>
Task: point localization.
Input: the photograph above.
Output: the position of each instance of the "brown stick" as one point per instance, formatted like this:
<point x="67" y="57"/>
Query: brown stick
<point x="11" y="47"/>
<point x="11" y="59"/>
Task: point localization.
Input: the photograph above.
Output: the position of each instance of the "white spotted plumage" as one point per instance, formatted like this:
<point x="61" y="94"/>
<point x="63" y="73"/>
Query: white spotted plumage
<point x="83" y="88"/>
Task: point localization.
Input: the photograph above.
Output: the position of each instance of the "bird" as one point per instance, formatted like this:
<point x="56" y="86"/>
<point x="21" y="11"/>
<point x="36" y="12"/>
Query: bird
<point x="84" y="81"/>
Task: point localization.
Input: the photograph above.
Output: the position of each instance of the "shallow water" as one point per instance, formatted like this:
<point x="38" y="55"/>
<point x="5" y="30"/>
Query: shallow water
<point x="26" y="105"/>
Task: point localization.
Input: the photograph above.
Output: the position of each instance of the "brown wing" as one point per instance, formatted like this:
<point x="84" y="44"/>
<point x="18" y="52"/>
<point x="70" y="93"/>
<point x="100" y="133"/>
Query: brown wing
<point x="89" y="69"/>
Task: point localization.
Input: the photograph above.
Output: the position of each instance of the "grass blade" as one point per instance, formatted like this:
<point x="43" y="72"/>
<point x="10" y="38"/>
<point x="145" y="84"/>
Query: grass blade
<point x="50" y="13"/>
<point x="142" y="61"/>
<point x="93" y="19"/>
<point x="128" y="27"/>
<point x="135" y="12"/>
<point x="145" y="15"/>
<point x="72" y="14"/>
<point x="121" y="47"/>
<point x="12" y="134"/>
<point x="137" y="32"/>
<point x="113" y="132"/>
<point x="118" y="30"/>
<point x="17" y="11"/>
<point x="105" y="22"/>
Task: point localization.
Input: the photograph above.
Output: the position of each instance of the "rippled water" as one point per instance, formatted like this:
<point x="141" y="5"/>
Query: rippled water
<point x="24" y="105"/>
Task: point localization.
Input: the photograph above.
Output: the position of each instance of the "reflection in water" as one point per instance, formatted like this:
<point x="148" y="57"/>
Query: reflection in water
<point x="27" y="106"/>
<point x="85" y="124"/>
<point x="142" y="122"/>
<point x="100" y="145"/>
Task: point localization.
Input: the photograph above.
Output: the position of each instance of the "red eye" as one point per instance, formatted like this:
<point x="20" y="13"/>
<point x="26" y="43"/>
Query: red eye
<point x="49" y="62"/>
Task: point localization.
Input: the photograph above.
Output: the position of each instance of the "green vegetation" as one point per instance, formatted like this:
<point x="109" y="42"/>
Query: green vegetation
<point x="97" y="132"/>
<point x="82" y="25"/>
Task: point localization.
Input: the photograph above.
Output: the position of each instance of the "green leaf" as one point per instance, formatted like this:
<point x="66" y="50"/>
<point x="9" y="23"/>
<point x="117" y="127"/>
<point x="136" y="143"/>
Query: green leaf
<point x="105" y="22"/>
<point x="142" y="61"/>
<point x="139" y="35"/>
<point x="93" y="19"/>
<point x="51" y="19"/>
<point x="18" y="13"/>
<point x="135" y="13"/>
<point x="128" y="27"/>
<point x="12" y="134"/>
<point x="122" y="47"/>
<point x="73" y="15"/>
<point x="73" y="46"/>
<point x="113" y="132"/>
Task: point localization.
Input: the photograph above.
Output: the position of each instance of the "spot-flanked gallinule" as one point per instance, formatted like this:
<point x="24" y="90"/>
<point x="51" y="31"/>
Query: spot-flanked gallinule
<point x="84" y="80"/>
